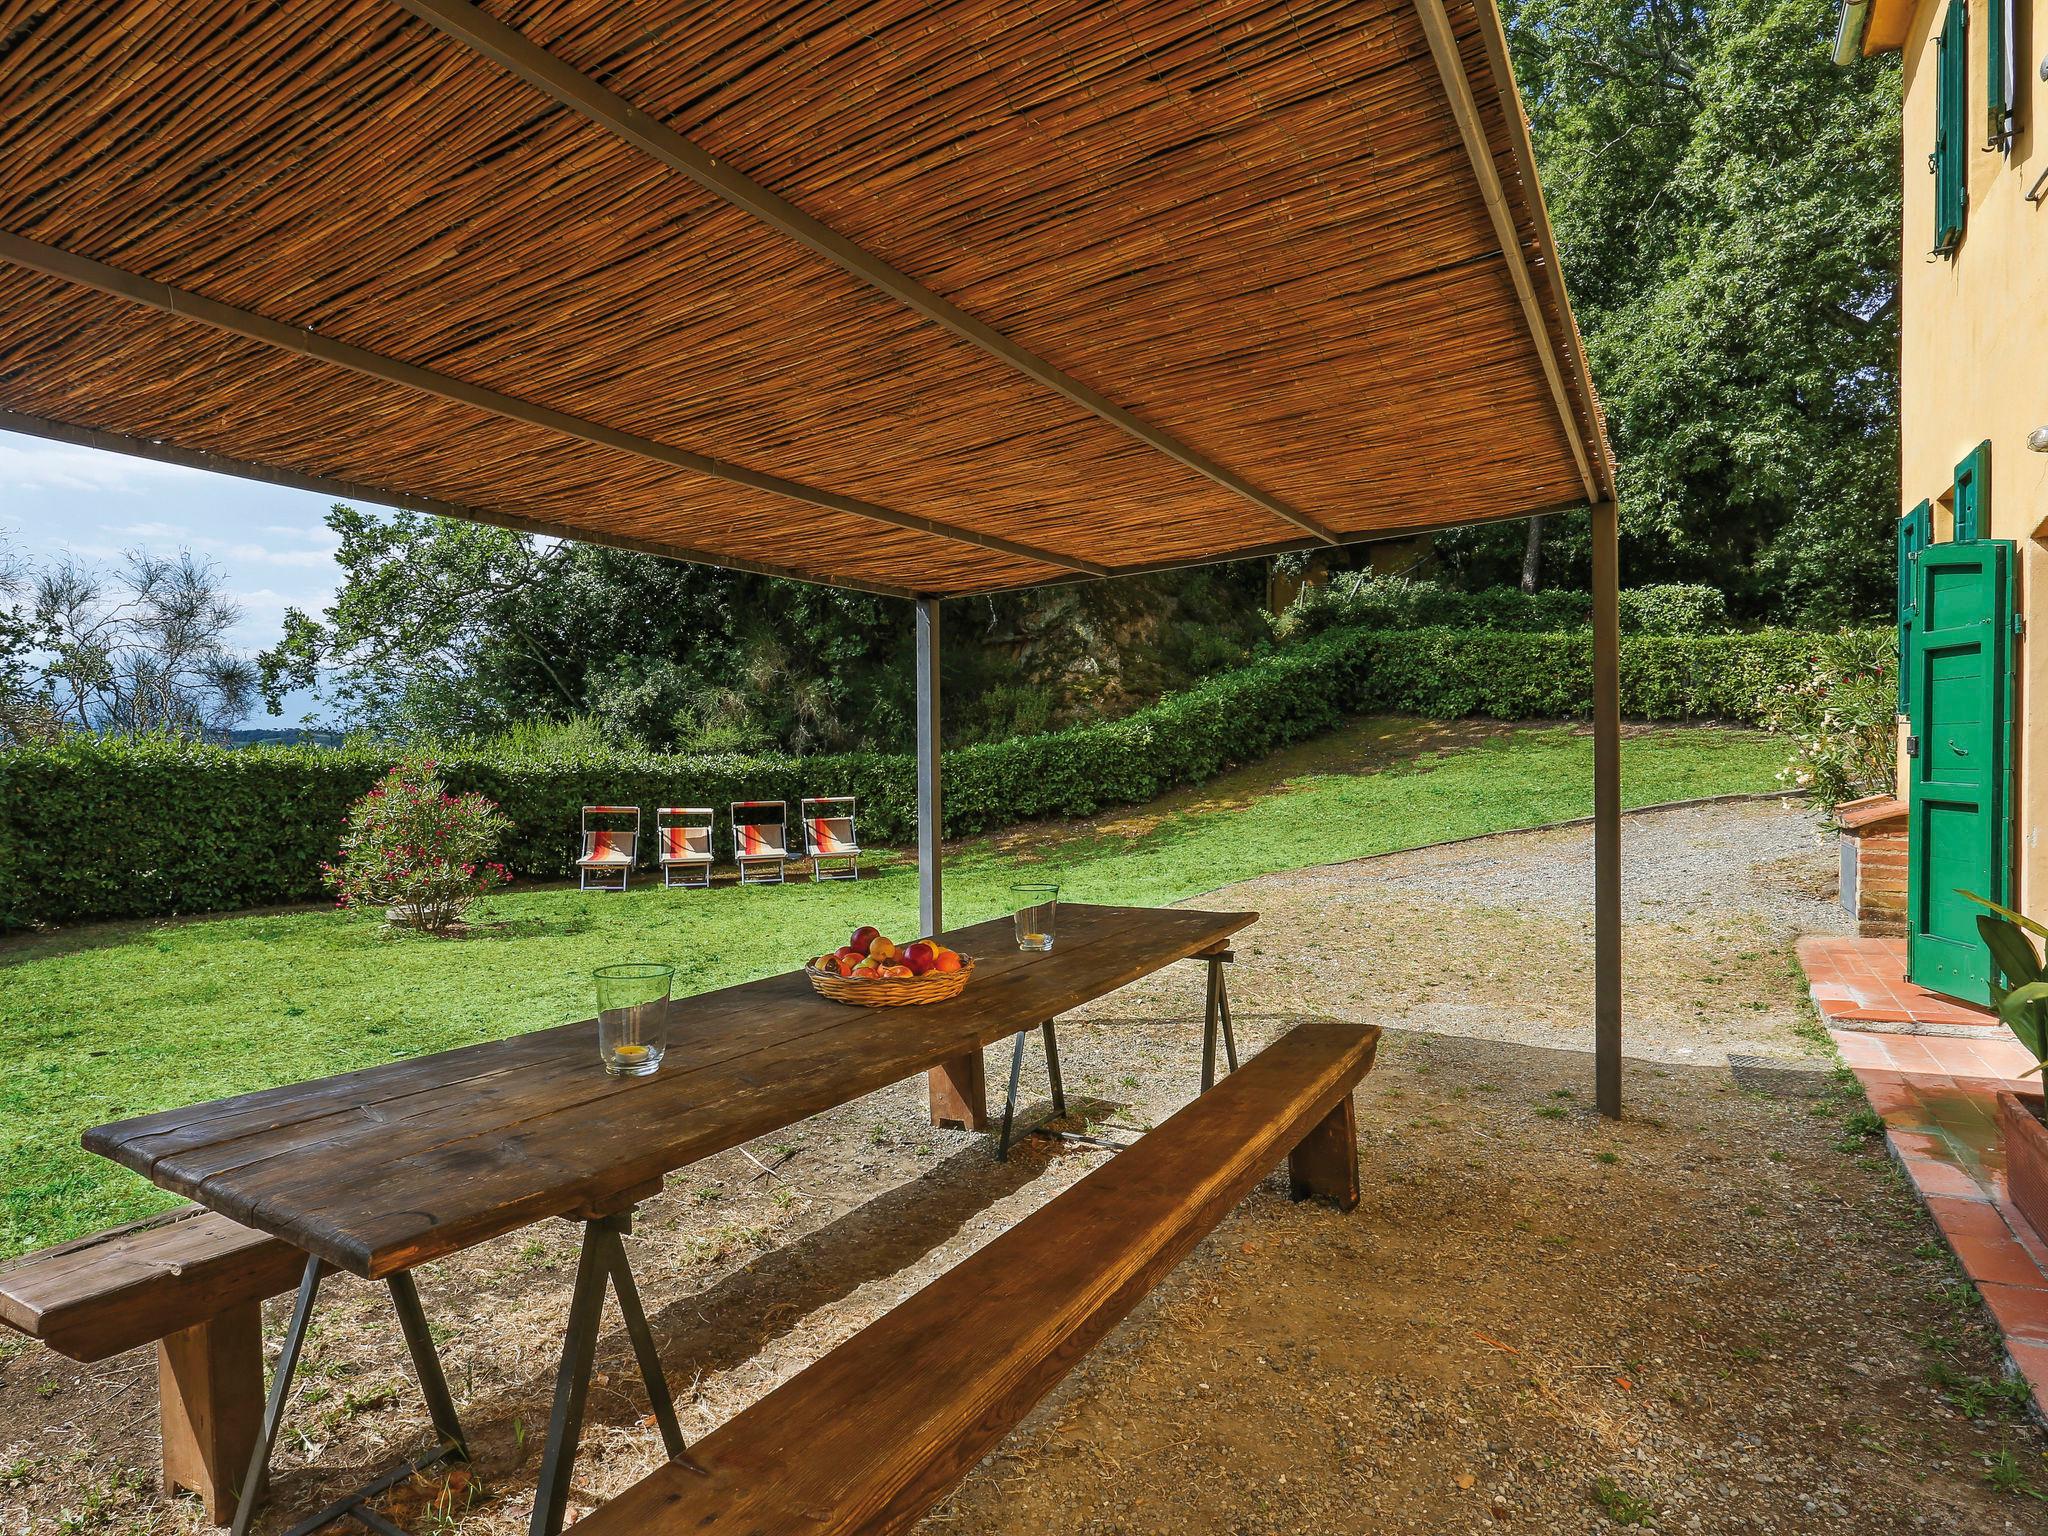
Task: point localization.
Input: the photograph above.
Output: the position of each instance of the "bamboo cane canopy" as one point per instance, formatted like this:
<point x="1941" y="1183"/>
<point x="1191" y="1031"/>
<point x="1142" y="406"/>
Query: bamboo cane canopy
<point x="921" y="296"/>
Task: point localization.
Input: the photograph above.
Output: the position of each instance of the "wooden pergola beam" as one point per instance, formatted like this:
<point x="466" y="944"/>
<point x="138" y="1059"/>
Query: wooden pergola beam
<point x="387" y="496"/>
<point x="1384" y="535"/>
<point x="1450" y="68"/>
<point x="83" y="270"/>
<point x="470" y="25"/>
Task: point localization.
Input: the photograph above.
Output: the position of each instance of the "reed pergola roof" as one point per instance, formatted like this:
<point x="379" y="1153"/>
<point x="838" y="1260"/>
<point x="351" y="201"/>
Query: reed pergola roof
<point x="924" y="297"/>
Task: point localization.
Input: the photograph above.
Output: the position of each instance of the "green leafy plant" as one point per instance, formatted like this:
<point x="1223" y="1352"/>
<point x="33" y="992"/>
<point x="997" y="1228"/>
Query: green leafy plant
<point x="417" y="851"/>
<point x="2019" y="988"/>
<point x="1840" y="714"/>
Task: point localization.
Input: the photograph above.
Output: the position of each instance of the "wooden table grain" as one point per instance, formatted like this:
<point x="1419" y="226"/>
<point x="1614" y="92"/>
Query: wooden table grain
<point x="378" y="1170"/>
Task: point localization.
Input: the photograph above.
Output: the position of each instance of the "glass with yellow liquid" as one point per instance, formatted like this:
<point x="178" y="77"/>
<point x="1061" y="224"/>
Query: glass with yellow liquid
<point x="632" y="1018"/>
<point x="1037" y="908"/>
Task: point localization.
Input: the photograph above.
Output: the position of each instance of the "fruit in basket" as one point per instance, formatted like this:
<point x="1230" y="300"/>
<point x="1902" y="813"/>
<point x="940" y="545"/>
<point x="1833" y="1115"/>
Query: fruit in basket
<point x="885" y="951"/>
<point x="862" y="939"/>
<point x="922" y="956"/>
<point x="948" y="960"/>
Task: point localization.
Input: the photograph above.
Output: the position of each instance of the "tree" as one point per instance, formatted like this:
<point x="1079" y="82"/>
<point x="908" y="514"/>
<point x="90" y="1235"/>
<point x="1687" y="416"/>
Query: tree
<point x="443" y="628"/>
<point x="139" y="647"/>
<point x="1726" y="201"/>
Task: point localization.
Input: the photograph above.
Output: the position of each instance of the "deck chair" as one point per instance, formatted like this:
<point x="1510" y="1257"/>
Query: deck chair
<point x="682" y="842"/>
<point x="829" y="837"/>
<point x="606" y="863"/>
<point x="760" y="840"/>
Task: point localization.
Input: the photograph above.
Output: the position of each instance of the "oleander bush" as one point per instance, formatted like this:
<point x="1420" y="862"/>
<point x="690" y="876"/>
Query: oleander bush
<point x="141" y="826"/>
<point x="416" y="852"/>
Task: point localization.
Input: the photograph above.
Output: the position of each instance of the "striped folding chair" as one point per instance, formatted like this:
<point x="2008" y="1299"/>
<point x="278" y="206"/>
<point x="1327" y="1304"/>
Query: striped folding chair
<point x="610" y="844"/>
<point x="760" y="840"/>
<point x="829" y="837"/>
<point x="682" y="842"/>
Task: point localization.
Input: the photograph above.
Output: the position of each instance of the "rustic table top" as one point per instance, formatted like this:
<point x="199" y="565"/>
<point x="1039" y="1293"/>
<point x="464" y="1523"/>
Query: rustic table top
<point x="378" y="1170"/>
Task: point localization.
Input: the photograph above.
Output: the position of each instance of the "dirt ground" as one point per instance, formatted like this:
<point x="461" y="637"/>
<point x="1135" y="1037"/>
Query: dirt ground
<point x="1725" y="1314"/>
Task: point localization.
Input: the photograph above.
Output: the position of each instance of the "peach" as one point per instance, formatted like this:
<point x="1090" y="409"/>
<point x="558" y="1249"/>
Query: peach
<point x="948" y="961"/>
<point x="881" y="949"/>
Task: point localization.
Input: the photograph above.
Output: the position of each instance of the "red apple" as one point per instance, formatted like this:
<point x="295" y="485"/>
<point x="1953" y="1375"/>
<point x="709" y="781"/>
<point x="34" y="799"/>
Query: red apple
<point x="863" y="939"/>
<point x="921" y="956"/>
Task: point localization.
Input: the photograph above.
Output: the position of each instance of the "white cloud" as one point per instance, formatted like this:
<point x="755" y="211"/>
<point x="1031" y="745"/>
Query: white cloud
<point x="59" y="467"/>
<point x="257" y="554"/>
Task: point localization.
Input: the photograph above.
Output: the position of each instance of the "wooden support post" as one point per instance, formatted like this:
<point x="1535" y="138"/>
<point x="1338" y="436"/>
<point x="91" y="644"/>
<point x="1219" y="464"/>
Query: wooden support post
<point x="1607" y="809"/>
<point x="210" y="1391"/>
<point x="958" y="1095"/>
<point x="1325" y="1165"/>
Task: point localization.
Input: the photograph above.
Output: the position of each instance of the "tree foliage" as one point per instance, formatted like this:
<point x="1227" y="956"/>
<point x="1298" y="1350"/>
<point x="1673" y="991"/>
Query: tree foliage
<point x="140" y="646"/>
<point x="449" y="629"/>
<point x="1726" y="201"/>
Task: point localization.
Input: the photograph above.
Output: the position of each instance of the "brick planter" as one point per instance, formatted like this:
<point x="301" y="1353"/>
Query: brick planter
<point x="2026" y="1156"/>
<point x="1874" y="864"/>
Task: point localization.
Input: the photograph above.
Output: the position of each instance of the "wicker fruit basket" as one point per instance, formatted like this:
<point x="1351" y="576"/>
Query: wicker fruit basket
<point x="890" y="991"/>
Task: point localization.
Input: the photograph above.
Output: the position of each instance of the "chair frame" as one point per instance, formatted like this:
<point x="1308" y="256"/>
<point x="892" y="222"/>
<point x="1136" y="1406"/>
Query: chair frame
<point x="585" y="869"/>
<point x="831" y="866"/>
<point x="696" y="871"/>
<point x="776" y="864"/>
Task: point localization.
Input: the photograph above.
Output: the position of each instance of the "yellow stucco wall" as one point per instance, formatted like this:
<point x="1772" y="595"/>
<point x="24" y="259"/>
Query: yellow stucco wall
<point x="1974" y="358"/>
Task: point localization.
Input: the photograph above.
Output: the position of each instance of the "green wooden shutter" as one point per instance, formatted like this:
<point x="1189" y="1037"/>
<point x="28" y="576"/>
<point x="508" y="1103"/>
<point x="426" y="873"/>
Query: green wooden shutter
<point x="1998" y="82"/>
<point x="1951" y="134"/>
<point x="1916" y="532"/>
<point x="1973" y="495"/>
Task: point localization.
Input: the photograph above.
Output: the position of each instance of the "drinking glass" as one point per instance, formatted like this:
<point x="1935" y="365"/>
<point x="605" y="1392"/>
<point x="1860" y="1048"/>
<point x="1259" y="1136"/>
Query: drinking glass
<point x="632" y="1017"/>
<point x="1037" y="907"/>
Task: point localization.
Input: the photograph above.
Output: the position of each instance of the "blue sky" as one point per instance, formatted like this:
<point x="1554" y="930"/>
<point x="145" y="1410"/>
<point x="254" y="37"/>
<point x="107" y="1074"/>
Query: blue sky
<point x="269" y="543"/>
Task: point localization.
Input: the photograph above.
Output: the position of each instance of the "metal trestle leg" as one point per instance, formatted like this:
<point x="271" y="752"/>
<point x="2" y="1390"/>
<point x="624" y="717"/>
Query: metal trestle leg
<point x="603" y="1261"/>
<point x="1052" y="1072"/>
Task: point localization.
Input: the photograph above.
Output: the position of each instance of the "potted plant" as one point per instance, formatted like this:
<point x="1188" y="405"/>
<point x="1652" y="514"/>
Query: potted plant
<point x="2019" y="991"/>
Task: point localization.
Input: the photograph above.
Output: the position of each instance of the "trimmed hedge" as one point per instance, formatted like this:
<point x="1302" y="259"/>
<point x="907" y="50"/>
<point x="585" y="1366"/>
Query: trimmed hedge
<point x="128" y="827"/>
<point x="1359" y="600"/>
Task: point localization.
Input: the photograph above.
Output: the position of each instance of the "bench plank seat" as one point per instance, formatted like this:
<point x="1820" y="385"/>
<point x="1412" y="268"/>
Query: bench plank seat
<point x="136" y="1284"/>
<point x="871" y="1436"/>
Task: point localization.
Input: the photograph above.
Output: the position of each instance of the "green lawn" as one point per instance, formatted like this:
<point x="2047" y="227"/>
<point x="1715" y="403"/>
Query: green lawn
<point x="119" y="1019"/>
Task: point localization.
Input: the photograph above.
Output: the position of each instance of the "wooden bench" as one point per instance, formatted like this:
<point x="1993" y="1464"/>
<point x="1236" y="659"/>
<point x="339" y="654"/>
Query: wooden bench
<point x="190" y="1282"/>
<point x="870" y="1437"/>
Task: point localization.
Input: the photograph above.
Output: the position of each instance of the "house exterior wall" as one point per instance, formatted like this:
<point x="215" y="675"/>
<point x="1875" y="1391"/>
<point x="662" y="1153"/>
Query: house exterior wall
<point x="1974" y="358"/>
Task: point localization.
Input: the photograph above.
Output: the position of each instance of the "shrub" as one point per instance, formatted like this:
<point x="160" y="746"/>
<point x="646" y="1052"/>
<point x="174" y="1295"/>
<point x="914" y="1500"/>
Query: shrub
<point x="412" y="848"/>
<point x="1399" y="602"/>
<point x="122" y="827"/>
<point x="1839" y="713"/>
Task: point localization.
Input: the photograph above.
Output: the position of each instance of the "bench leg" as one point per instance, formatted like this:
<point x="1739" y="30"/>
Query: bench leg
<point x="1325" y="1165"/>
<point x="210" y="1391"/>
<point x="958" y="1096"/>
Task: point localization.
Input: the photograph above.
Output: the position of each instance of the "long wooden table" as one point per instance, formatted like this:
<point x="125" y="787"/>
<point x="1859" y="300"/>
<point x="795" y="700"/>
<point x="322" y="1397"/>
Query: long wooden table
<point x="376" y="1171"/>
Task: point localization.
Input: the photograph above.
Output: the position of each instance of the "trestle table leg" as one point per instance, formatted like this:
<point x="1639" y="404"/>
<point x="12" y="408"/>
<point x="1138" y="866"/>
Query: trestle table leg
<point x="602" y="1261"/>
<point x="426" y="1364"/>
<point x="273" y="1409"/>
